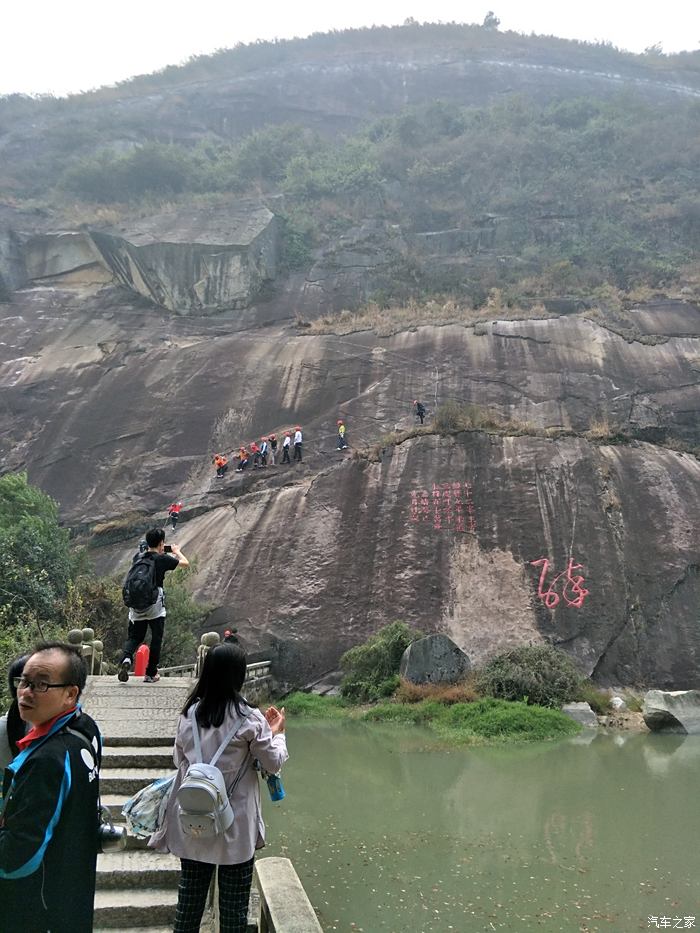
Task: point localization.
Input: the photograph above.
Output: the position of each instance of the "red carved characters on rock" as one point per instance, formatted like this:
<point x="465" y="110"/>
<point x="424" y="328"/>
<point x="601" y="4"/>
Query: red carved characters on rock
<point x="449" y="506"/>
<point x="566" y="585"/>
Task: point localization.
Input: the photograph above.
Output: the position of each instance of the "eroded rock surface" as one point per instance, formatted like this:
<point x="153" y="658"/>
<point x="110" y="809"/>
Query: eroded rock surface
<point x="115" y="410"/>
<point x="673" y="711"/>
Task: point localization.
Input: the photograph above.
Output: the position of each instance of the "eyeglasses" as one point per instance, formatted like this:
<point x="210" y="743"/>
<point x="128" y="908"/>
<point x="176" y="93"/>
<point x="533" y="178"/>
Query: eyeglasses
<point x="38" y="686"/>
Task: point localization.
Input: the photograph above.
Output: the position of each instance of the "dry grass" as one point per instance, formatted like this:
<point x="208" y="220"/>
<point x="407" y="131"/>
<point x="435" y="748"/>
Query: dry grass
<point x="463" y="692"/>
<point x="393" y="320"/>
<point x="599" y="429"/>
<point x="624" y="324"/>
<point x="373" y="453"/>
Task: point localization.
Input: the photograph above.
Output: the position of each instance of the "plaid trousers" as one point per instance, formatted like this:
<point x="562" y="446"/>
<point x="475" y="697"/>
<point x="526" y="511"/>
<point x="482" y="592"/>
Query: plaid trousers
<point x="234" y="894"/>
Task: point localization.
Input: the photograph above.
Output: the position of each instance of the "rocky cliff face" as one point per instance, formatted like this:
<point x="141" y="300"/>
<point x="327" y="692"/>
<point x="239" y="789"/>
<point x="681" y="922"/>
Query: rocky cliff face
<point x="574" y="522"/>
<point x="495" y="538"/>
<point x="199" y="263"/>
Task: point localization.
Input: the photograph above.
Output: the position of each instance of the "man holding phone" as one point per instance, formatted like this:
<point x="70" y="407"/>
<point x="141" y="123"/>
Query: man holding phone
<point x="164" y="558"/>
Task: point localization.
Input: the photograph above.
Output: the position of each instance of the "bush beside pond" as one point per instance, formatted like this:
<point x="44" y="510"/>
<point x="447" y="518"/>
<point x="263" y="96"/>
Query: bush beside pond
<point x="485" y="720"/>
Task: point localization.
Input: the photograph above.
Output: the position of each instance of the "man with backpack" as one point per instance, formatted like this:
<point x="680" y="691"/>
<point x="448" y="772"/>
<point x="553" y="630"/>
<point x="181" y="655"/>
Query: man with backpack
<point x="143" y="594"/>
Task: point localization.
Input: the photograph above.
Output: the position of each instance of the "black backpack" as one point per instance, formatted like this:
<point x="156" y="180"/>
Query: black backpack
<point x="140" y="590"/>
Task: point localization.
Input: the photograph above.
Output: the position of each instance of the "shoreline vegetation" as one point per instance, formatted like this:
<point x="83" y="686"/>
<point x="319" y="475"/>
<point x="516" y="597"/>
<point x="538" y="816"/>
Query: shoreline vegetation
<point x="516" y="696"/>
<point x="482" y="722"/>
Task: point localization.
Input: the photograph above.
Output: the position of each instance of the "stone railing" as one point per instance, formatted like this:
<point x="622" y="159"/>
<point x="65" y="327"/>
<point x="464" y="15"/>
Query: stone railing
<point x="284" y="905"/>
<point x="91" y="648"/>
<point x="258" y="675"/>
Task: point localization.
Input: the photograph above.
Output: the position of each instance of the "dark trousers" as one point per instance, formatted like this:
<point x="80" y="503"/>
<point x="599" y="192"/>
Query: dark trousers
<point x="285" y="455"/>
<point x="297" y="452"/>
<point x="234" y="894"/>
<point x="173" y="521"/>
<point x="136" y="636"/>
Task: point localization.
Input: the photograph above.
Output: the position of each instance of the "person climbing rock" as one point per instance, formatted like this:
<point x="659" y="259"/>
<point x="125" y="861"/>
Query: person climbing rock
<point x="174" y="513"/>
<point x="255" y="453"/>
<point x="285" y="447"/>
<point x="419" y="410"/>
<point x="221" y="464"/>
<point x="273" y="449"/>
<point x="264" y="448"/>
<point x="342" y="442"/>
<point x="298" y="440"/>
<point x="242" y="460"/>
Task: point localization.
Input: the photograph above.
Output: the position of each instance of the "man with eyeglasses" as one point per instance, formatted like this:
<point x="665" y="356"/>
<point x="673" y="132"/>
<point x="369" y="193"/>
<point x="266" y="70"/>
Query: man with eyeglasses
<point x="48" y="827"/>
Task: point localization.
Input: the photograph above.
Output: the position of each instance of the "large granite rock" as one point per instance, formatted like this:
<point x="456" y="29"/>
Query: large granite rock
<point x="13" y="271"/>
<point x="314" y="559"/>
<point x="581" y="713"/>
<point x="672" y="711"/>
<point x="200" y="262"/>
<point x="203" y="261"/>
<point x="434" y="659"/>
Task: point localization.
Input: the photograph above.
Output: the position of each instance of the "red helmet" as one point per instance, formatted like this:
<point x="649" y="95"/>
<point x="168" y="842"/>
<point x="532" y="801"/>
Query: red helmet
<point x="287" y="433"/>
<point x="263" y="438"/>
<point x="339" y="421"/>
<point x="297" y="428"/>
<point x="272" y="437"/>
<point x="415" y="401"/>
<point x="227" y="633"/>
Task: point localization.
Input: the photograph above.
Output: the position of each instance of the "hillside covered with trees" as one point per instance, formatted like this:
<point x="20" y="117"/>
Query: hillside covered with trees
<point x="547" y="189"/>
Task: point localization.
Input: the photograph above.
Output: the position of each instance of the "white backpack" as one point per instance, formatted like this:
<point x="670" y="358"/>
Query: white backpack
<point x="203" y="804"/>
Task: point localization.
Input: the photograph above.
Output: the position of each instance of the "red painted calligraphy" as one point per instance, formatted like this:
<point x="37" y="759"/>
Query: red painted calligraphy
<point x="446" y="506"/>
<point x="565" y="585"/>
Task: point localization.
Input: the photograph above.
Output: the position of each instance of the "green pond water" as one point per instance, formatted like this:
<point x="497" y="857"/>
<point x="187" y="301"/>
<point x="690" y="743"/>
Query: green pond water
<point x="391" y="831"/>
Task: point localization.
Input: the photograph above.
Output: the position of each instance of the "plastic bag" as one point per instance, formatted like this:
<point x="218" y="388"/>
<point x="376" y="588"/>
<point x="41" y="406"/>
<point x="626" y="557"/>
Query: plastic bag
<point x="145" y="811"/>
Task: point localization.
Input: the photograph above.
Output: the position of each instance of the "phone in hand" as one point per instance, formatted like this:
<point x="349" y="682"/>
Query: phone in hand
<point x="168" y="549"/>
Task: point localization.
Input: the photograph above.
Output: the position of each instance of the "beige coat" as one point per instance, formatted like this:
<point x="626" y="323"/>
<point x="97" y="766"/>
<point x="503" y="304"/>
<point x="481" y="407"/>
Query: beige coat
<point x="238" y="844"/>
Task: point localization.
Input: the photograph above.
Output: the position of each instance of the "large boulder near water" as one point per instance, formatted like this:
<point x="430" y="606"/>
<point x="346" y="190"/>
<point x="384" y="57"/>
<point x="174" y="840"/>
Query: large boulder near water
<point x="672" y="711"/>
<point x="435" y="659"/>
<point x="580" y="712"/>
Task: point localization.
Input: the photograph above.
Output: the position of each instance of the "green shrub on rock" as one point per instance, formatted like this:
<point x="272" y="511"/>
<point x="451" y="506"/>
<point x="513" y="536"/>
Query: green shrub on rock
<point x="538" y="674"/>
<point x="371" y="670"/>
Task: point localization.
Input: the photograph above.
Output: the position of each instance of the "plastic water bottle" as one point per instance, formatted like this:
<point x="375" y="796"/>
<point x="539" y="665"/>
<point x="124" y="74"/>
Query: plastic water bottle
<point x="274" y="785"/>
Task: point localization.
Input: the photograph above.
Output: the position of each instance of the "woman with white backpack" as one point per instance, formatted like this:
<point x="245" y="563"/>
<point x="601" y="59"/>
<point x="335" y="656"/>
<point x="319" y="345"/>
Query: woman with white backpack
<point x="213" y="818"/>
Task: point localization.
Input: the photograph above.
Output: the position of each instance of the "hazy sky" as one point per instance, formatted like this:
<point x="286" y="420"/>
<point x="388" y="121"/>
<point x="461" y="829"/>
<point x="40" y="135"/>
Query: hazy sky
<point x="59" y="47"/>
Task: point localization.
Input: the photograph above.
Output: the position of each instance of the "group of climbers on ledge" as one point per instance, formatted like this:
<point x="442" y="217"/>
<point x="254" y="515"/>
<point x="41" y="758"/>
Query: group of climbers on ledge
<point x="263" y="454"/>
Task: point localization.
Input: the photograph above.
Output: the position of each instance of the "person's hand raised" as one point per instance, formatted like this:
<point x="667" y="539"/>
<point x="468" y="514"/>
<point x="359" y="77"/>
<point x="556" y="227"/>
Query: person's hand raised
<point x="275" y="719"/>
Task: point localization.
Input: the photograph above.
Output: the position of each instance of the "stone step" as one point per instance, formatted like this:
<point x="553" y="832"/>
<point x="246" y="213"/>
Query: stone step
<point x="136" y="868"/>
<point x="133" y="756"/>
<point x="120" y="736"/>
<point x="134" y="908"/>
<point x="109" y="682"/>
<point x="115" y="802"/>
<point x="129" y="780"/>
<point x="165" y="929"/>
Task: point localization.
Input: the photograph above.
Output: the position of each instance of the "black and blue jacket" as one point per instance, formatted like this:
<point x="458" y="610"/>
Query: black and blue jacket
<point x="48" y="830"/>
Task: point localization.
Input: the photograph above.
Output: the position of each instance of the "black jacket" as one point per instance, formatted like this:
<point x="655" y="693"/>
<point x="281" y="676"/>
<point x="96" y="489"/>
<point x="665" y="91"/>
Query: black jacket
<point x="48" y="831"/>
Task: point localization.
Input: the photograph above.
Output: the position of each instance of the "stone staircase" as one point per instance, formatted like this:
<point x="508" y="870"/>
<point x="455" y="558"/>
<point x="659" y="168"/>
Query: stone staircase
<point x="137" y="888"/>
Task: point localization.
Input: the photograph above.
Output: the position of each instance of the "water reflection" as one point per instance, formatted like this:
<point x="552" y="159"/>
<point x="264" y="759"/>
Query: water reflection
<point x="391" y="831"/>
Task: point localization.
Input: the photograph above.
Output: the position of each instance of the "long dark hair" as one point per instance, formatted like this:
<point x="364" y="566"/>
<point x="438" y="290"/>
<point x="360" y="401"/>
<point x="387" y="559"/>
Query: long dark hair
<point x="16" y="727"/>
<point x="219" y="686"/>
